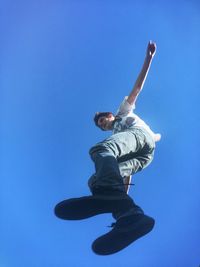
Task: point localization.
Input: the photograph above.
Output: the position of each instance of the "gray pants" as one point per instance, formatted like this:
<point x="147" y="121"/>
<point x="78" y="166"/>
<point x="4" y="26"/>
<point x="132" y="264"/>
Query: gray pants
<point x="118" y="156"/>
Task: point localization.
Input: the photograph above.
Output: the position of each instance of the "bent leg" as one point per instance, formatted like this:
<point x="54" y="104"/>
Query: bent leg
<point x="105" y="156"/>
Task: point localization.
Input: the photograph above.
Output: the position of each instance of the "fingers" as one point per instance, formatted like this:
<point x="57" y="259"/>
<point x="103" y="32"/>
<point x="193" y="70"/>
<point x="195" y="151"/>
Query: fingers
<point x="151" y="49"/>
<point x="152" y="43"/>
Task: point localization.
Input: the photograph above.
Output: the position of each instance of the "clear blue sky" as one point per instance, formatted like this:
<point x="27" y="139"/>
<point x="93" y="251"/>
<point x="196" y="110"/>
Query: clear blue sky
<point x="60" y="62"/>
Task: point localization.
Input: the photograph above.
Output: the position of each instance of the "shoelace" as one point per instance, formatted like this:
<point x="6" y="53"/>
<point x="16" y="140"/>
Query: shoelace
<point x="112" y="225"/>
<point x="122" y="184"/>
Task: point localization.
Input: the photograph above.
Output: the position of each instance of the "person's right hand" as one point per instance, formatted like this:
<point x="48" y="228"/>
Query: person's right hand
<point x="151" y="49"/>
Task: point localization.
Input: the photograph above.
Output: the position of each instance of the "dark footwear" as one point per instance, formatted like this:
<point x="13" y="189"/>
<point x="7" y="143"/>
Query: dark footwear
<point x="126" y="231"/>
<point x="85" y="207"/>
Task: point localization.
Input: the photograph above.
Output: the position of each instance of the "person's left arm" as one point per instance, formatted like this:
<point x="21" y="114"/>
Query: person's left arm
<point x="151" y="50"/>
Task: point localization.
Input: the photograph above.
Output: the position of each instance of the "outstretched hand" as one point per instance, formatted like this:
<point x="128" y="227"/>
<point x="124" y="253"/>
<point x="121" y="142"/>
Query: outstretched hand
<point x="151" y="49"/>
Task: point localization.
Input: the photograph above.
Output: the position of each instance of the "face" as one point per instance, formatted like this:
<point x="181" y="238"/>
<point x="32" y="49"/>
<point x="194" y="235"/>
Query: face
<point x="106" y="122"/>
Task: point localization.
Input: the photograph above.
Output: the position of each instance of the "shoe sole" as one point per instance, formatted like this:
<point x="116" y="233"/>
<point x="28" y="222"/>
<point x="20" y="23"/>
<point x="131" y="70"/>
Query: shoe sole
<point x="118" y="239"/>
<point x="85" y="207"/>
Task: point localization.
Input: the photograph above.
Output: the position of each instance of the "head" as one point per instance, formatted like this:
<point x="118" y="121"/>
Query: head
<point x="104" y="120"/>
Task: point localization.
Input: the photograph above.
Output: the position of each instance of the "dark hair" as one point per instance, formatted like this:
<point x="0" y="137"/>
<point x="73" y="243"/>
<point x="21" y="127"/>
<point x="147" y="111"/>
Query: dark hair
<point x="99" y="115"/>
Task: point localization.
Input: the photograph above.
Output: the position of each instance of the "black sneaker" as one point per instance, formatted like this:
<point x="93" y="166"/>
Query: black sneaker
<point x="125" y="231"/>
<point x="88" y="206"/>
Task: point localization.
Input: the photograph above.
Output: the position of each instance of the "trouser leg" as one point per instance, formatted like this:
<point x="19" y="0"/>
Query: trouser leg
<point x="107" y="175"/>
<point x="106" y="155"/>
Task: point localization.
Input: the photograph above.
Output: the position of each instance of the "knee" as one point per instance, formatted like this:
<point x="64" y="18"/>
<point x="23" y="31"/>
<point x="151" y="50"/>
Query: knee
<point x="99" y="149"/>
<point x="94" y="151"/>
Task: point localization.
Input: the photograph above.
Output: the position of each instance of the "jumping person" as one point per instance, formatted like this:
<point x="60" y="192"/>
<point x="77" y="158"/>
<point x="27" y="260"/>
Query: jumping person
<point x="128" y="150"/>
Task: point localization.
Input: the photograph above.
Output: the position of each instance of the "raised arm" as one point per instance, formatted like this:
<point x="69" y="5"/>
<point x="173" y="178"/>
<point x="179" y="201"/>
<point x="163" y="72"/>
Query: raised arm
<point x="151" y="50"/>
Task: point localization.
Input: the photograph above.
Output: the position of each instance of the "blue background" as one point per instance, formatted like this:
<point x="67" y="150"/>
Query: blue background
<point x="60" y="62"/>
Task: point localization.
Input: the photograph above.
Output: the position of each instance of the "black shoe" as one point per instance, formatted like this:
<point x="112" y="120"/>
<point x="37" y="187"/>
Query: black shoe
<point x="85" y="207"/>
<point x="126" y="230"/>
